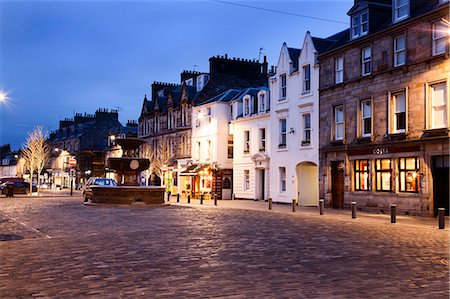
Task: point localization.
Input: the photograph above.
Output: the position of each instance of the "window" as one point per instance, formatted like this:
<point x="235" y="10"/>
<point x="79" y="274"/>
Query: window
<point x="254" y="104"/>
<point x="183" y="144"/>
<point x="439" y="38"/>
<point x="282" y="171"/>
<point x="262" y="139"/>
<point x="399" y="50"/>
<point x="262" y="103"/>
<point x="246" y="142"/>
<point x="339" y="69"/>
<point x="246" y="106"/>
<point x="208" y="156"/>
<point x="231" y="111"/>
<point x="360" y="24"/>
<point x="230" y="147"/>
<point x="283" y="87"/>
<point x="439" y="105"/>
<point x="362" y="174"/>
<point x="401" y="9"/>
<point x="282" y="128"/>
<point x="399" y="112"/>
<point x="246" y="180"/>
<point x="208" y="114"/>
<point x="306" y="129"/>
<point x="306" y="78"/>
<point x="198" y="150"/>
<point x="366" y="118"/>
<point x="383" y="172"/>
<point x="339" y="122"/>
<point x="408" y="169"/>
<point x="366" y="63"/>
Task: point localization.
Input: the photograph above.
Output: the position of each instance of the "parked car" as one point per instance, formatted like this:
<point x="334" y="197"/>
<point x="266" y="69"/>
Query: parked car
<point x="87" y="191"/>
<point x="11" y="179"/>
<point x="20" y="187"/>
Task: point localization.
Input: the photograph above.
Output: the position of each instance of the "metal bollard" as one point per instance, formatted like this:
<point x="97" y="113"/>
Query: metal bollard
<point x="178" y="197"/>
<point x="321" y="206"/>
<point x="441" y="213"/>
<point x="169" y="194"/>
<point x="393" y="213"/>
<point x="294" y="205"/>
<point x="270" y="203"/>
<point x="201" y="199"/>
<point x="233" y="197"/>
<point x="189" y="198"/>
<point x="215" y="199"/>
<point x="353" y="210"/>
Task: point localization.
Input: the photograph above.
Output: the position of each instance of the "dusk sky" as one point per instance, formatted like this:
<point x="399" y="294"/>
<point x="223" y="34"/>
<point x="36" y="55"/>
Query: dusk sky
<point x="62" y="57"/>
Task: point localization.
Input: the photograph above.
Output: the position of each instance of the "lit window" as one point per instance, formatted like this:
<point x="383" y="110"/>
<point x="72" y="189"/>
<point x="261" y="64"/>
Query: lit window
<point x="399" y="50"/>
<point x="362" y="174"/>
<point x="408" y="169"/>
<point x="246" y="142"/>
<point x="282" y="127"/>
<point x="439" y="105"/>
<point x="399" y="112"/>
<point x="306" y="79"/>
<point x="401" y="9"/>
<point x="360" y="24"/>
<point x="282" y="171"/>
<point x="246" y="180"/>
<point x="339" y="122"/>
<point x="366" y="63"/>
<point x="283" y="87"/>
<point x="439" y="38"/>
<point x="366" y="118"/>
<point x="383" y="170"/>
<point x="262" y="139"/>
<point x="306" y="129"/>
<point x="339" y="69"/>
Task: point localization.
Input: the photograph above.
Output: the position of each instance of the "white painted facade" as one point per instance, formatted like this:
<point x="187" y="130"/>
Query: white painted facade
<point x="294" y="148"/>
<point x="250" y="123"/>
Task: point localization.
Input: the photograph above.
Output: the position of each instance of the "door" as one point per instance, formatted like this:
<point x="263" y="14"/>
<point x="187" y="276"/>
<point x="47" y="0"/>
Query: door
<point x="337" y="184"/>
<point x="440" y="173"/>
<point x="263" y="185"/>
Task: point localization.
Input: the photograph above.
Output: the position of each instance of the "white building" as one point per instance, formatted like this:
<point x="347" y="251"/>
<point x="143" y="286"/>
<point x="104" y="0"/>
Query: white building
<point x="250" y="124"/>
<point x="212" y="148"/>
<point x="294" y="150"/>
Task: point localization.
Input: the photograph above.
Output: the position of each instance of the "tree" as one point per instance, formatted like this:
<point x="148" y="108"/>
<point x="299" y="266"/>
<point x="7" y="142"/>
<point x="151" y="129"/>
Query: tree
<point x="159" y="154"/>
<point x="36" y="153"/>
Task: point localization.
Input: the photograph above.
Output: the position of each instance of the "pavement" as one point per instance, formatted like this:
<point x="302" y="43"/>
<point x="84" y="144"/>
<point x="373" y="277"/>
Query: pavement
<point x="238" y="249"/>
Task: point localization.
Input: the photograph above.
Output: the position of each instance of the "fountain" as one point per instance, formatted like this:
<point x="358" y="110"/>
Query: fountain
<point x="127" y="169"/>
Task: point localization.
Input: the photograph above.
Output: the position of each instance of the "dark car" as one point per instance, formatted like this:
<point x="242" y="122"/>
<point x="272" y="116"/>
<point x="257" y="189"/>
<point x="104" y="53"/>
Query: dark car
<point x="87" y="191"/>
<point x="20" y="187"/>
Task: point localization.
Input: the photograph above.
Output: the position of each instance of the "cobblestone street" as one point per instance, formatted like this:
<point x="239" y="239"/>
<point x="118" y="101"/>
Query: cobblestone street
<point x="67" y="249"/>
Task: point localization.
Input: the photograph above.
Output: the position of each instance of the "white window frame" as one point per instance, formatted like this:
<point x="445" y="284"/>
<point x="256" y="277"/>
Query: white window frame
<point x="283" y="133"/>
<point x="246" y="106"/>
<point x="393" y="112"/>
<point x="209" y="151"/>
<point x="397" y="9"/>
<point x="438" y="38"/>
<point x="306" y="128"/>
<point x="262" y="139"/>
<point x="282" y="174"/>
<point x="209" y="114"/>
<point x="365" y="116"/>
<point x="399" y="51"/>
<point x="262" y="102"/>
<point x="306" y="79"/>
<point x="283" y="87"/>
<point x="365" y="61"/>
<point x="247" y="142"/>
<point x="246" y="180"/>
<point x="360" y="24"/>
<point x="198" y="149"/>
<point x="339" y="125"/>
<point x="431" y="107"/>
<point x="339" y="70"/>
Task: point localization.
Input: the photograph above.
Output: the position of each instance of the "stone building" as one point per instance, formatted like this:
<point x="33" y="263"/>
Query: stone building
<point x="85" y="138"/>
<point x="165" y="121"/>
<point x="384" y="108"/>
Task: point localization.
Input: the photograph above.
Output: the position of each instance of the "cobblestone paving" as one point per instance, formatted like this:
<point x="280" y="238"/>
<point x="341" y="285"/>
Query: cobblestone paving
<point x="72" y="250"/>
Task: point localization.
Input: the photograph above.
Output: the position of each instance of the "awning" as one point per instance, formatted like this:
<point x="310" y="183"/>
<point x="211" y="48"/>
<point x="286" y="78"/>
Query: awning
<point x="194" y="169"/>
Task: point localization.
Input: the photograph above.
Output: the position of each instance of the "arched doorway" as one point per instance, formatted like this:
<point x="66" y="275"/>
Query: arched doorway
<point x="307" y="184"/>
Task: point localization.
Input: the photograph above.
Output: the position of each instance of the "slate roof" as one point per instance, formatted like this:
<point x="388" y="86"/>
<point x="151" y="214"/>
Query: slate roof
<point x="234" y="95"/>
<point x="294" y="53"/>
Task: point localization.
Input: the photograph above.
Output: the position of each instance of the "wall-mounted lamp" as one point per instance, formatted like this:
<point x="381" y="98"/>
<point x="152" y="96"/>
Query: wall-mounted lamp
<point x="291" y="130"/>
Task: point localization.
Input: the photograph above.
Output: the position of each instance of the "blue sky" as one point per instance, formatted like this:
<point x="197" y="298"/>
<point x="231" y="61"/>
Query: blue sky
<point x="62" y="57"/>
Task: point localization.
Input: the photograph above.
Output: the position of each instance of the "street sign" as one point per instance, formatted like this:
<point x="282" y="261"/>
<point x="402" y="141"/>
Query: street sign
<point x="72" y="162"/>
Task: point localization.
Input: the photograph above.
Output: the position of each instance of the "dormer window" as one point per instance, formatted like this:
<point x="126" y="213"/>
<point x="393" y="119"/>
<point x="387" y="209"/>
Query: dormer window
<point x="283" y="90"/>
<point x="401" y="10"/>
<point x="360" y="24"/>
<point x="262" y="103"/>
<point x="246" y="106"/>
<point x="190" y="82"/>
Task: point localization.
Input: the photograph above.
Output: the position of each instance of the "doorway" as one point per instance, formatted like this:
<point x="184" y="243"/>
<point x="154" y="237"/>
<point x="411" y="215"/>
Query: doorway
<point x="440" y="172"/>
<point x="307" y="184"/>
<point x="337" y="184"/>
<point x="261" y="189"/>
